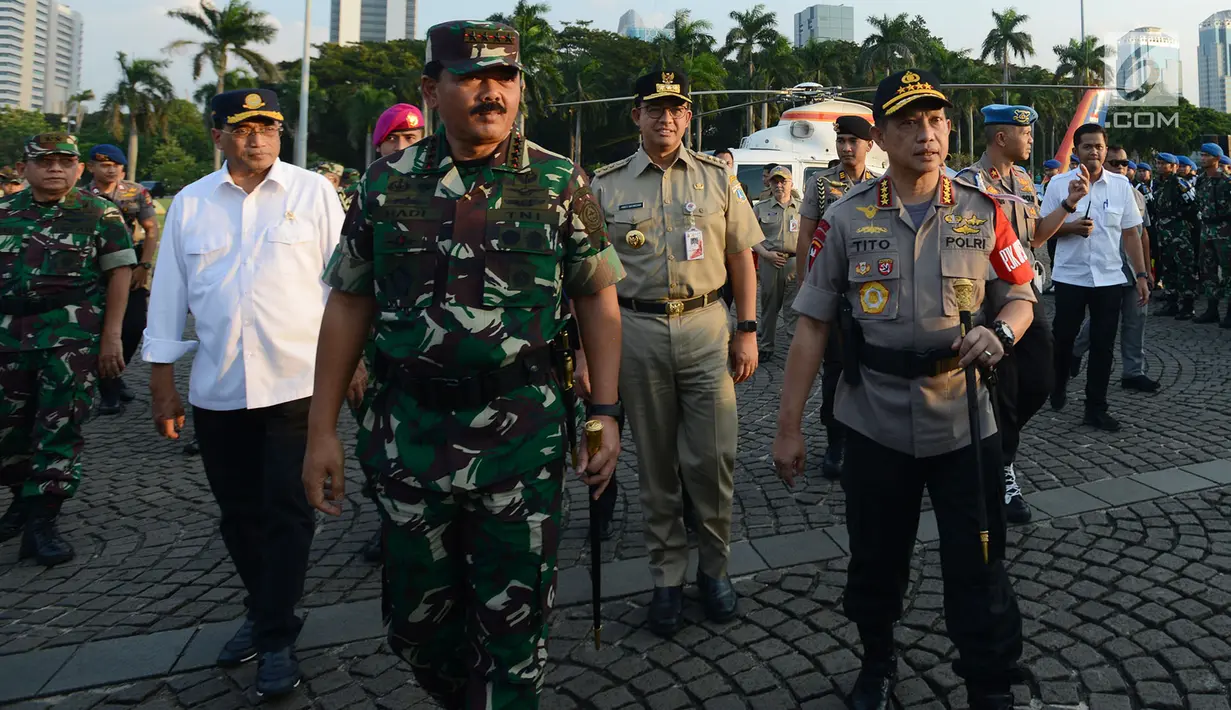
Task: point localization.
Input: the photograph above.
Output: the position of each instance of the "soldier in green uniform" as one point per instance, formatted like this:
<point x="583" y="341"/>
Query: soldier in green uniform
<point x="1175" y="204"/>
<point x="107" y="164"/>
<point x="779" y="220"/>
<point x="59" y="249"/>
<point x="350" y="179"/>
<point x="854" y="140"/>
<point x="1214" y="211"/>
<point x="10" y="181"/>
<point x="460" y="249"/>
<point x="333" y="173"/>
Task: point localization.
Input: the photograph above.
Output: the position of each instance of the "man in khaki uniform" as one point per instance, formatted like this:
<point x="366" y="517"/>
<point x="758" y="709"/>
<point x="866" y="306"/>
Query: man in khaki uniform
<point x="854" y="142"/>
<point x="680" y="222"/>
<point x="896" y="256"/>
<point x="779" y="220"/>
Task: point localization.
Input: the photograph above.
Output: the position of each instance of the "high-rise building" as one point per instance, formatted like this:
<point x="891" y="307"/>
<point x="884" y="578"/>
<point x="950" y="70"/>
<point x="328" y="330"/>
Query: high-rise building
<point x="40" y="54"/>
<point x="1147" y="57"/>
<point x="631" y="25"/>
<point x="825" y="22"/>
<point x="353" y="21"/>
<point x="1214" y="62"/>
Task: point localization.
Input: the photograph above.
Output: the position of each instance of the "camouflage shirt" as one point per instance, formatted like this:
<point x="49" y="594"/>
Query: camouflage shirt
<point x="1213" y="200"/>
<point x="1170" y="202"/>
<point x="134" y="202"/>
<point x="468" y="266"/>
<point x="47" y="251"/>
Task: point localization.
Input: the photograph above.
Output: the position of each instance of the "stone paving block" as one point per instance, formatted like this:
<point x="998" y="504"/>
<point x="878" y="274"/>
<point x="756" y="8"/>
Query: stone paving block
<point x="744" y="560"/>
<point x="1173" y="481"/>
<point x="928" y="530"/>
<point x="620" y="579"/>
<point x="22" y="675"/>
<point x="1063" y="502"/>
<point x="797" y="548"/>
<point x="341" y="623"/>
<point x="118" y="660"/>
<point x="202" y="650"/>
<point x="840" y="536"/>
<point x="1118" y="491"/>
<point x="1218" y="471"/>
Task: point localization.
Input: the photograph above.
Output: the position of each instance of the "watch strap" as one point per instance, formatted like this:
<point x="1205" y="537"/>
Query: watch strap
<point x="615" y="411"/>
<point x="746" y="326"/>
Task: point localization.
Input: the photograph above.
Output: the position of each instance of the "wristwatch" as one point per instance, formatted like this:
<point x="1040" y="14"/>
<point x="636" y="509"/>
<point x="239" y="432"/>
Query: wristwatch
<point x="1143" y="275"/>
<point x="746" y="326"/>
<point x="1004" y="333"/>
<point x="146" y="264"/>
<point x="615" y="411"/>
<point x="1065" y="204"/>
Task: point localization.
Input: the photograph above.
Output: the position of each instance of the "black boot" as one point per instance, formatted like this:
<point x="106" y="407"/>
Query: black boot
<point x="874" y="686"/>
<point x="831" y="467"/>
<point x="1226" y="320"/>
<point x="14" y="519"/>
<point x="126" y="395"/>
<point x="42" y="540"/>
<point x="1171" y="308"/>
<point x="666" y="608"/>
<point x="1211" y="312"/>
<point x="109" y="393"/>
<point x="1186" y="309"/>
<point x="374" y="549"/>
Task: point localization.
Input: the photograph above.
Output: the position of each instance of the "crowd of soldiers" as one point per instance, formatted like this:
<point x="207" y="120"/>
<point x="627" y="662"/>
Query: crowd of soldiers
<point x="486" y="297"/>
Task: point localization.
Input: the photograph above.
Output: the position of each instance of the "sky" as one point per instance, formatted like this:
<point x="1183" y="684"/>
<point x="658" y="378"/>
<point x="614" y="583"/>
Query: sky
<point x="141" y="28"/>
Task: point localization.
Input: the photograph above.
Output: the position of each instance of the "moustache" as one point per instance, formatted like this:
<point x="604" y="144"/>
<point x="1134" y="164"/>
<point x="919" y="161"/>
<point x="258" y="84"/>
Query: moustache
<point x="489" y="107"/>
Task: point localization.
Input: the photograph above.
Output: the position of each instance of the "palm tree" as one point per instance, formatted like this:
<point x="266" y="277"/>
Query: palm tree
<point x="1084" y="62"/>
<point x="227" y="31"/>
<point x="143" y="92"/>
<point x="689" y="37"/>
<point x="896" y="42"/>
<point x="831" y="62"/>
<point x="362" y="110"/>
<point x="77" y="102"/>
<point x="1006" y="39"/>
<point x="754" y="32"/>
<point x="235" y="79"/>
<point x="536" y="52"/>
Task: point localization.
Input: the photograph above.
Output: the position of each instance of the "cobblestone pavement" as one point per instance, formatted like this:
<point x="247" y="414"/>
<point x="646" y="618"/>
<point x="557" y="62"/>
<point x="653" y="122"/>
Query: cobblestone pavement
<point x="1125" y="609"/>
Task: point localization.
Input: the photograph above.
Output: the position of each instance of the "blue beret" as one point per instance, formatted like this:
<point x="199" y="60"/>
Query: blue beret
<point x="1168" y="158"/>
<point x="1002" y="114"/>
<point x="108" y="152"/>
<point x="1185" y="160"/>
<point x="1212" y="149"/>
<point x="1073" y="160"/>
<point x="1052" y="164"/>
<point x="1224" y="160"/>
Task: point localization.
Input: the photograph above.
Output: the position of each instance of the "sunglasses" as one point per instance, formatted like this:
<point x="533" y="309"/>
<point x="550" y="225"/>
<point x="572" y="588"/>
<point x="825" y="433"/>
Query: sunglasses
<point x="1118" y="163"/>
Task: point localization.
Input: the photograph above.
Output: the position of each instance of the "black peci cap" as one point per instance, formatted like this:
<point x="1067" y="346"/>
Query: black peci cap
<point x="666" y="84"/>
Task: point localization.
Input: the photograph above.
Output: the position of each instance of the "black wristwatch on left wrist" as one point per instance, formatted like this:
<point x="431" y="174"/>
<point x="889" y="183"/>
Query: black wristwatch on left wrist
<point x="1143" y="275"/>
<point x="146" y="264"/>
<point x="1004" y="333"/>
<point x="746" y="326"/>
<point x="615" y="411"/>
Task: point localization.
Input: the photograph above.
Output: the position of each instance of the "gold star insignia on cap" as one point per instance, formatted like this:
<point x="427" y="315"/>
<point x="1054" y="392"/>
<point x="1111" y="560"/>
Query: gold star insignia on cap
<point x="910" y="78"/>
<point x="253" y="101"/>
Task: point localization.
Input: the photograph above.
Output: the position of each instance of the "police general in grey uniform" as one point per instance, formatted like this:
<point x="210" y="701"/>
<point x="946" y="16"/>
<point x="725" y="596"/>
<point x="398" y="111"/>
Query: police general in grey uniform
<point x="896" y="258"/>
<point x="680" y="223"/>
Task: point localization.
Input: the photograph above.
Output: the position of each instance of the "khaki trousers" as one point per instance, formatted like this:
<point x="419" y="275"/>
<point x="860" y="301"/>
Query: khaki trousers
<point x="778" y="287"/>
<point x="680" y="401"/>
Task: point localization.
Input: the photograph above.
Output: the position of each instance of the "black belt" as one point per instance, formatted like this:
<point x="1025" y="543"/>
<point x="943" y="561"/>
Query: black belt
<point x="670" y="308"/>
<point x="908" y="363"/>
<point x="34" y="305"/>
<point x="445" y="394"/>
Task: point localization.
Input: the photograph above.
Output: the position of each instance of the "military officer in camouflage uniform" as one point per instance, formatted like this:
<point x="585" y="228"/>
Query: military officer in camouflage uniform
<point x="333" y="173"/>
<point x="65" y="263"/>
<point x="897" y="289"/>
<point x="107" y="164"/>
<point x="1214" y="211"/>
<point x="460" y="250"/>
<point x="1175" y="204"/>
<point x="854" y="140"/>
<point x="681" y="224"/>
<point x="779" y="220"/>
<point x="10" y="181"/>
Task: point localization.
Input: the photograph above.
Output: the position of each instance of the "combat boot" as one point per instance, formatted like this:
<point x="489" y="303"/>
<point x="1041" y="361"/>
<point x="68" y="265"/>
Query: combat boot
<point x="1211" y="312"/>
<point x="879" y="674"/>
<point x="42" y="540"/>
<point x="831" y="466"/>
<point x="1171" y="308"/>
<point x="1226" y="320"/>
<point x="1186" y="309"/>
<point x="14" y="519"/>
<point x="109" y="394"/>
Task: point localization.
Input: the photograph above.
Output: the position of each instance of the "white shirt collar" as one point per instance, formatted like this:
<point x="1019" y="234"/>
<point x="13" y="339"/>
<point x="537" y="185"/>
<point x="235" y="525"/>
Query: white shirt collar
<point x="278" y="174"/>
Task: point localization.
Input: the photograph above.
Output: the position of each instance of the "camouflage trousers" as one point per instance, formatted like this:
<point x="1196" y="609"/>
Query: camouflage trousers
<point x="469" y="581"/>
<point x="1215" y="257"/>
<point x="1176" y="258"/>
<point x="45" y="398"/>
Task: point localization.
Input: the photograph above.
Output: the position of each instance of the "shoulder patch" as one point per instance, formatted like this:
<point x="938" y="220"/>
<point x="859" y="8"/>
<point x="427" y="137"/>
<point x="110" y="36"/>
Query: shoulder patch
<point x="612" y="167"/>
<point x="705" y="158"/>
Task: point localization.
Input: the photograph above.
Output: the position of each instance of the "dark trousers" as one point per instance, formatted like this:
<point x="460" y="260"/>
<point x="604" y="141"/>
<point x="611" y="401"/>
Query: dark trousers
<point x="254" y="462"/>
<point x="884" y="489"/>
<point x="130" y="336"/>
<point x="1026" y="379"/>
<point x="1104" y="305"/>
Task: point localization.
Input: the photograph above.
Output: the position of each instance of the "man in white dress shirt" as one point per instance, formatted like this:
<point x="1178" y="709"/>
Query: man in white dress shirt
<point x="1087" y="269"/>
<point x="243" y="249"/>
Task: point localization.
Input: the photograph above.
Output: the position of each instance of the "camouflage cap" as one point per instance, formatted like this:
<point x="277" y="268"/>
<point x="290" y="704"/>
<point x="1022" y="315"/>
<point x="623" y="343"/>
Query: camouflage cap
<point x="351" y="174"/>
<point x="54" y="143"/>
<point x="327" y="168"/>
<point x="8" y="176"/>
<point x="468" y="46"/>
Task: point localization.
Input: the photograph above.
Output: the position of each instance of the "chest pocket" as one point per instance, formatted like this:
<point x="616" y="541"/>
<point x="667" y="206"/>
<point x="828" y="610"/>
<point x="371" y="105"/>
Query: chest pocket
<point x="521" y="267"/>
<point x="10" y="256"/>
<point x="957" y="265"/>
<point x="404" y="261"/>
<point x="630" y="231"/>
<point x="875" y="280"/>
<point x="69" y="255"/>
<point x="205" y="255"/>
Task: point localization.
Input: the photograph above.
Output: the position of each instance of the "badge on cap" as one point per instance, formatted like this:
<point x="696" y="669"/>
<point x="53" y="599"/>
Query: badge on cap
<point x="634" y="238"/>
<point x="412" y="120"/>
<point x="253" y="102"/>
<point x="1022" y="116"/>
<point x="910" y="78"/>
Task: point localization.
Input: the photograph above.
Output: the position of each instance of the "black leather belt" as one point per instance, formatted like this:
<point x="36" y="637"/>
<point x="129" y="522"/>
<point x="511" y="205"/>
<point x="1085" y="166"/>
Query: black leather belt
<point x="670" y="308"/>
<point x="908" y="363"/>
<point x="446" y="394"/>
<point x="34" y="305"/>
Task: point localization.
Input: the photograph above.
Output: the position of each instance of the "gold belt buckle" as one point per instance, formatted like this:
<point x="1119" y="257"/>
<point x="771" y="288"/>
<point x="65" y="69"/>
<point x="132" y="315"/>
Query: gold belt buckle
<point x="674" y="308"/>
